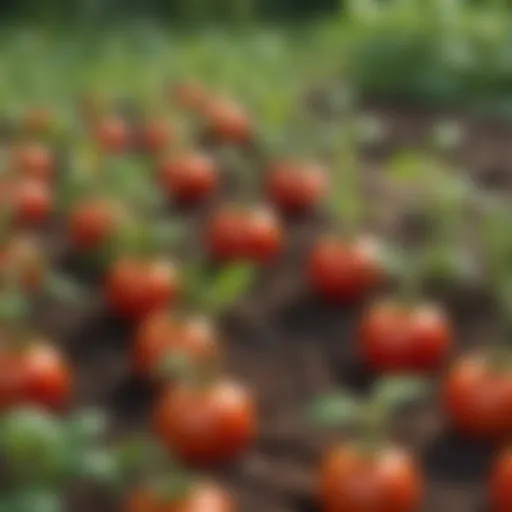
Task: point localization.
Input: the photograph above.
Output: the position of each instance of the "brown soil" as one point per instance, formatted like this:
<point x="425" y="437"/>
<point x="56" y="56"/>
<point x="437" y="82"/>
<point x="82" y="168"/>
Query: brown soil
<point x="290" y="347"/>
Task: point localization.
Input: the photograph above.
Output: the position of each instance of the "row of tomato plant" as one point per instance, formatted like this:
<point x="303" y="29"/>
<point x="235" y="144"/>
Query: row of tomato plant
<point x="111" y="205"/>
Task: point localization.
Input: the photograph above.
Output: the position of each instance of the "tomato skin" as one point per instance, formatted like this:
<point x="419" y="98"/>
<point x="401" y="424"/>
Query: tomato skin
<point x="395" y="338"/>
<point x="35" y="374"/>
<point x="206" y="425"/>
<point x="156" y="135"/>
<point x="161" y="335"/>
<point x="203" y="497"/>
<point x="112" y="134"/>
<point x="227" y="234"/>
<point x="344" y="272"/>
<point x="91" y="223"/>
<point x="478" y="399"/>
<point x="351" y="481"/>
<point x="189" y="177"/>
<point x="253" y="234"/>
<point x="500" y="488"/>
<point x="228" y="121"/>
<point x="296" y="187"/>
<point x="135" y="289"/>
<point x="48" y="378"/>
<point x="34" y="160"/>
<point x="33" y="202"/>
<point x="265" y="236"/>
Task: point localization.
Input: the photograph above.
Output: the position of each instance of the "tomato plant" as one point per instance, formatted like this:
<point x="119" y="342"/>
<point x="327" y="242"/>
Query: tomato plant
<point x="112" y="134"/>
<point x="227" y="121"/>
<point x="156" y="134"/>
<point x="368" y="474"/>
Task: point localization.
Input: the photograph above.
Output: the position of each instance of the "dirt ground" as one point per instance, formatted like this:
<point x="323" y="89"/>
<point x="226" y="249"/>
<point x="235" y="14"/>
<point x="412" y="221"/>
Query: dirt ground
<point x="290" y="347"/>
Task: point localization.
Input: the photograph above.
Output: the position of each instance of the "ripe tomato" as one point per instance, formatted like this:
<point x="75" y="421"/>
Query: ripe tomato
<point x="91" y="223"/>
<point x="398" y="338"/>
<point x="202" y="497"/>
<point x="385" y="481"/>
<point x="161" y="335"/>
<point x="189" y="177"/>
<point x="208" y="424"/>
<point x="112" y="134"/>
<point x="237" y="233"/>
<point x="501" y="483"/>
<point x="344" y="272"/>
<point x="35" y="374"/>
<point x="228" y="121"/>
<point x="33" y="202"/>
<point x="190" y="95"/>
<point x="227" y="234"/>
<point x="34" y="160"/>
<point x="156" y="135"/>
<point x="22" y="255"/>
<point x="296" y="187"/>
<point x="478" y="398"/>
<point x="264" y="235"/>
<point x="48" y="378"/>
<point x="135" y="288"/>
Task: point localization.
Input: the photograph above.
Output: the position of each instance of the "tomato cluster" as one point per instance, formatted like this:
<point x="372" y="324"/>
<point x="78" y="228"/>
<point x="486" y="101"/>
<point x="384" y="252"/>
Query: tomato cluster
<point x="115" y="201"/>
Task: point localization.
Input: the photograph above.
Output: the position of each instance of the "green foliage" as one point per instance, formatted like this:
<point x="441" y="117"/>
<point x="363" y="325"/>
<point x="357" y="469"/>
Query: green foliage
<point x="437" y="52"/>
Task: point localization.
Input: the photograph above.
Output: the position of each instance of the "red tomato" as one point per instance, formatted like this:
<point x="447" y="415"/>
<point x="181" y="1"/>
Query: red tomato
<point x="33" y="202"/>
<point x="245" y="233"/>
<point x="206" y="425"/>
<point x="386" y="481"/>
<point x="91" y="223"/>
<point x="156" y="135"/>
<point x="478" y="398"/>
<point x="136" y="288"/>
<point x="345" y="272"/>
<point x="227" y="238"/>
<point x="501" y="483"/>
<point x="228" y="121"/>
<point x="34" y="160"/>
<point x="34" y="374"/>
<point x="48" y="378"/>
<point x="397" y="338"/>
<point x="112" y="134"/>
<point x="161" y="335"/>
<point x="190" y="95"/>
<point x="23" y="255"/>
<point x="264" y="235"/>
<point x="296" y="187"/>
<point x="202" y="498"/>
<point x="189" y="177"/>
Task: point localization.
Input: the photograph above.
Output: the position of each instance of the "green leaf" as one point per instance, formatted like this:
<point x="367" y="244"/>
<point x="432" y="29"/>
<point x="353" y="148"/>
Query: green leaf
<point x="14" y="306"/>
<point x="86" y="425"/>
<point x="398" y="391"/>
<point x="337" y="409"/>
<point x="407" y="167"/>
<point x="63" y="289"/>
<point x="100" y="466"/>
<point x="447" y="135"/>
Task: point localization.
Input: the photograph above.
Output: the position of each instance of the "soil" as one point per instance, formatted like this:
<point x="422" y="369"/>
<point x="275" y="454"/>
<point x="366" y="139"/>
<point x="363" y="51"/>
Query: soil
<point x="290" y="346"/>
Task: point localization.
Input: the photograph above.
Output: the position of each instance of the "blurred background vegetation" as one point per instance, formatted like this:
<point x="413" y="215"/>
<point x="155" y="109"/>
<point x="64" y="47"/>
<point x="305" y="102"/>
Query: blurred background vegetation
<point x="443" y="53"/>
